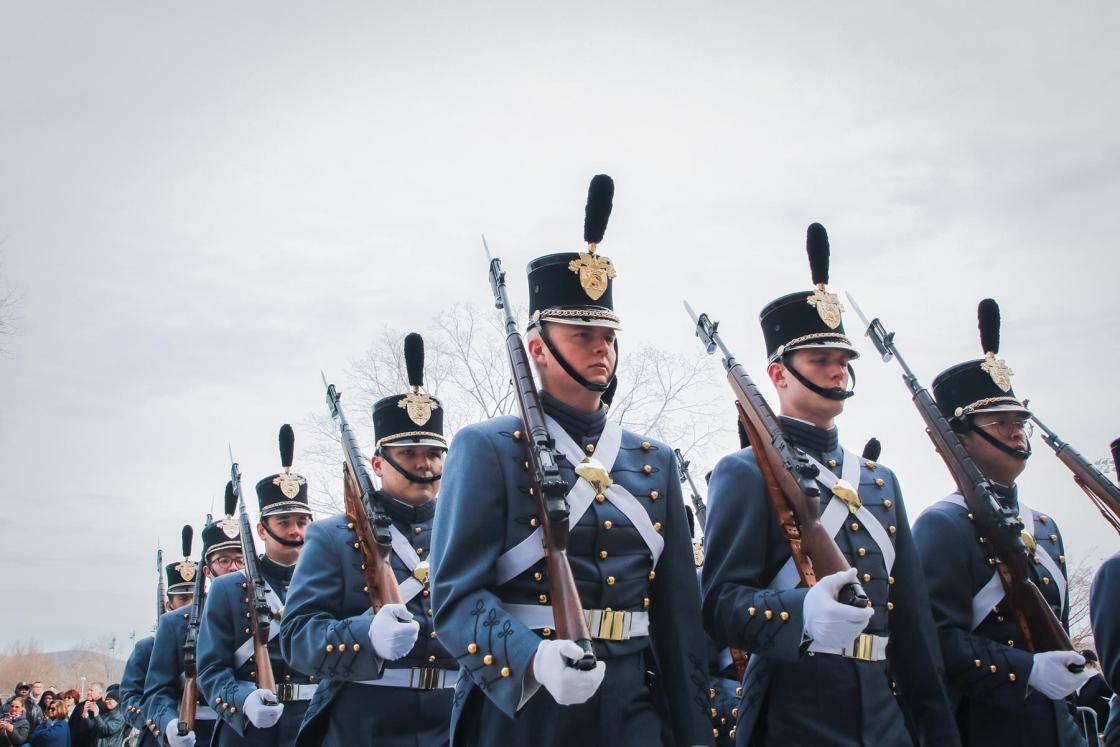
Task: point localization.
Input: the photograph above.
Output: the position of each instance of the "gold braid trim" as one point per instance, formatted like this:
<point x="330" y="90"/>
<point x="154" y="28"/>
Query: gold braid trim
<point x="578" y="313"/>
<point x="815" y="336"/>
<point x="410" y="434"/>
<point x="981" y="403"/>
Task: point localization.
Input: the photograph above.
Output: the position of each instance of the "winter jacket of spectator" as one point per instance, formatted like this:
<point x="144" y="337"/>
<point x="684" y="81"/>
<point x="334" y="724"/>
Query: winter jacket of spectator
<point x="53" y="733"/>
<point x="103" y="731"/>
<point x="17" y="737"/>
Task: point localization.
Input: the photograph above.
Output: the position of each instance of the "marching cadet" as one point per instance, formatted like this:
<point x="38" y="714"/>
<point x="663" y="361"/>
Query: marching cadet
<point x="163" y="684"/>
<point x="248" y="715"/>
<point x="1004" y="695"/>
<point x="629" y="550"/>
<point x="180" y="592"/>
<point x="820" y="672"/>
<point x="387" y="678"/>
<point x="1104" y="601"/>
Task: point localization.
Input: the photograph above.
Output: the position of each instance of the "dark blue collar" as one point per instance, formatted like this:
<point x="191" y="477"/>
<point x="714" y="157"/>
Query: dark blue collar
<point x="809" y="436"/>
<point x="276" y="573"/>
<point x="581" y="425"/>
<point x="404" y="513"/>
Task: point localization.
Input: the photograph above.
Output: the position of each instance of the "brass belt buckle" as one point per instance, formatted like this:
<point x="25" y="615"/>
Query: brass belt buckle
<point x="428" y="678"/>
<point x="285" y="692"/>
<point x="610" y="626"/>
<point x="864" y="647"/>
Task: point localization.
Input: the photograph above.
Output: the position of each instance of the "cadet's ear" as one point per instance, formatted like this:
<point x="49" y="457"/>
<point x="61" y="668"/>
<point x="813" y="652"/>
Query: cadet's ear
<point x="777" y="373"/>
<point x="260" y="529"/>
<point x="376" y="463"/>
<point x="536" y="347"/>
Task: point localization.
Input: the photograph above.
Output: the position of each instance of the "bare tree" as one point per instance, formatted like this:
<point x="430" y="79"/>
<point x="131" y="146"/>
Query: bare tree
<point x="9" y="300"/>
<point x="661" y="394"/>
<point x="1078" y="583"/>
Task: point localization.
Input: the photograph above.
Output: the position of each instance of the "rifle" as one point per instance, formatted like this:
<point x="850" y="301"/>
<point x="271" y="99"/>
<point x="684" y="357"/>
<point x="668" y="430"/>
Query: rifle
<point x="789" y="475"/>
<point x="1002" y="526"/>
<point x="699" y="509"/>
<point x="260" y="617"/>
<point x="364" y="512"/>
<point x="1101" y="491"/>
<point x="547" y="485"/>
<point x="188" y="703"/>
<point x="161" y="586"/>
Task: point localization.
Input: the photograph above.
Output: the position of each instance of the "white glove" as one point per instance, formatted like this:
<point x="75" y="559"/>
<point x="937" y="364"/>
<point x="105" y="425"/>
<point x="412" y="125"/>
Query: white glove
<point x="393" y="631"/>
<point x="262" y="709"/>
<point x="1050" y="674"/>
<point x="827" y="621"/>
<point x="568" y="685"/>
<point x="173" y="737"/>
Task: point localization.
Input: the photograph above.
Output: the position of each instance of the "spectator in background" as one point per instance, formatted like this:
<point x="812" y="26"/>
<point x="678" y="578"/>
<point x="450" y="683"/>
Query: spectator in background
<point x="21" y="691"/>
<point x="45" y="702"/>
<point x="14" y="727"/>
<point x="69" y="699"/>
<point x="95" y="722"/>
<point x="55" y="732"/>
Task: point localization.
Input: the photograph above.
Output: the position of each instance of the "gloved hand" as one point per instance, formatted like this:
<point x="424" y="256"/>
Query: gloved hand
<point x="173" y="737"/>
<point x="1050" y="673"/>
<point x="827" y="621"/>
<point x="393" y="631"/>
<point x="262" y="708"/>
<point x="568" y="685"/>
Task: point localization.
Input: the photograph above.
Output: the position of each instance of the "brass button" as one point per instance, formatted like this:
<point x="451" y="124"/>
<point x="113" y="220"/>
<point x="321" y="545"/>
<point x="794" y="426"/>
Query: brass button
<point x="538" y="576"/>
<point x="417" y="530"/>
<point x="784" y="616"/>
<point x="993" y="668"/>
<point x="599" y="498"/>
<point x="887" y="503"/>
<point x="890" y="580"/>
<point x="879" y="481"/>
<point x="769" y="614"/>
<point x="431" y="660"/>
<point x="751" y="611"/>
<point x="505" y="671"/>
<point x="654" y="495"/>
<point x="546" y="632"/>
<point x="862" y="551"/>
<point x="645" y="601"/>
<point x="603" y="554"/>
<point x="1011" y="676"/>
<point x="356" y="647"/>
<point x="349" y="525"/>
<point x="647" y="468"/>
<point x="1043" y="518"/>
<point x="976" y="662"/>
<point x="432" y="634"/>
<point x="488" y="660"/>
<point x="657" y="526"/>
<point x="832" y="462"/>
<point x="420" y="550"/>
<point x="1046" y="580"/>
<point x="866" y="577"/>
<point x="1037" y="560"/>
<point x="543" y="599"/>
<point x="330" y="648"/>
<point x="892" y="529"/>
<point x="341" y="648"/>
<point x="610" y="580"/>
<point x="534" y="522"/>
<point x="1062" y="559"/>
<point x="855" y="526"/>
<point x="1053" y="538"/>
<point x="590" y="448"/>
<point x="652" y="575"/>
<point x="890" y="606"/>
<point x="645" y="445"/>
<point x="425" y="593"/>
<point x="608" y="524"/>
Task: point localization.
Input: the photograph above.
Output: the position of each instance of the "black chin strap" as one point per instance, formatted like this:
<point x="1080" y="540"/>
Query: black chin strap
<point x="1011" y="451"/>
<point x="547" y="338"/>
<point x="826" y="393"/>
<point x="278" y="538"/>
<point x="384" y="454"/>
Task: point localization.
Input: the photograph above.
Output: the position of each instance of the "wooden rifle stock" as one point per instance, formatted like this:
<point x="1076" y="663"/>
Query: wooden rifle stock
<point x="380" y="582"/>
<point x="1101" y="491"/>
<point x="188" y="701"/>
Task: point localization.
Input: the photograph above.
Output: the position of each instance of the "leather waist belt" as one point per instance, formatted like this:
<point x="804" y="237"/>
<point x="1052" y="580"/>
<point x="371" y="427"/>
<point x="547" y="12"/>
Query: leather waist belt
<point x="204" y="713"/>
<point x="286" y="693"/>
<point x="604" y="625"/>
<point x="416" y="678"/>
<point x="865" y="648"/>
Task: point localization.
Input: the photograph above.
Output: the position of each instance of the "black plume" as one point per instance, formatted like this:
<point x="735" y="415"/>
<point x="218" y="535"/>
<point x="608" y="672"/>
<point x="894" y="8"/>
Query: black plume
<point x="287" y="445"/>
<point x="816" y="243"/>
<point x="188" y="539"/>
<point x="600" y="200"/>
<point x="744" y="439"/>
<point x="988" y="314"/>
<point x="414" y="358"/>
<point x="231" y="500"/>
<point x="1115" y="446"/>
<point x="872" y="449"/>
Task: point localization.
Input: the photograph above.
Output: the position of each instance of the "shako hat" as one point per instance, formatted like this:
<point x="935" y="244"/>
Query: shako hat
<point x="285" y="492"/>
<point x="181" y="575"/>
<point x="982" y="385"/>
<point x="225" y="533"/>
<point x="414" y="418"/>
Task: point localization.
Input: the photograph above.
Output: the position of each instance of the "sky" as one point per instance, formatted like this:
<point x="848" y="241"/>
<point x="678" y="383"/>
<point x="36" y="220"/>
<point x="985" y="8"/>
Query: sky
<point x="204" y="204"/>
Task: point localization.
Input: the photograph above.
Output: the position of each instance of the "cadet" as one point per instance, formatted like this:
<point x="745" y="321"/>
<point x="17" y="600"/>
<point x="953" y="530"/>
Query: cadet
<point x="1004" y="695"/>
<point x="180" y="592"/>
<point x="1104" y="601"/>
<point x="328" y="627"/>
<point x="163" y="685"/>
<point x="226" y="670"/>
<point x="820" y="672"/>
<point x="630" y="550"/>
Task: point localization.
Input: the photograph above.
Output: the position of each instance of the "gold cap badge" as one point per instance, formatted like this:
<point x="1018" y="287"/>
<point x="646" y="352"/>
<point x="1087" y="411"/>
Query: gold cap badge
<point x="419" y="405"/>
<point x="187" y="570"/>
<point x="827" y="305"/>
<point x="230" y="527"/>
<point x="998" y="370"/>
<point x="595" y="272"/>
<point x="289" y="483"/>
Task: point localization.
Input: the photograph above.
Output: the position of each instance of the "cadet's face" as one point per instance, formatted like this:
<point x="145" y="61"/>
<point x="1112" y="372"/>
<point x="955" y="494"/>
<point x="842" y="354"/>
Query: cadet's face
<point x="1008" y="429"/>
<point x="223" y="562"/>
<point x="291" y="527"/>
<point x="175" y="601"/>
<point x="422" y="461"/>
<point x="827" y="368"/>
<point x="589" y="350"/>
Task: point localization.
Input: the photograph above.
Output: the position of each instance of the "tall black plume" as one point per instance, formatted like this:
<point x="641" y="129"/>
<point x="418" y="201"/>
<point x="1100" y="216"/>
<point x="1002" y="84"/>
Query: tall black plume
<point x="287" y="445"/>
<point x="988" y="315"/>
<point x="816" y="244"/>
<point x="188" y="539"/>
<point x="600" y="200"/>
<point x="231" y="499"/>
<point x="414" y="359"/>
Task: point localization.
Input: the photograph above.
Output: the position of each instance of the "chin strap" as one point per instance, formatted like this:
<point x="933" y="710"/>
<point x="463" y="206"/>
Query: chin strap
<point x="1020" y="454"/>
<point x="826" y="393"/>
<point x="384" y="454"/>
<point x="547" y="338"/>
<point x="278" y="538"/>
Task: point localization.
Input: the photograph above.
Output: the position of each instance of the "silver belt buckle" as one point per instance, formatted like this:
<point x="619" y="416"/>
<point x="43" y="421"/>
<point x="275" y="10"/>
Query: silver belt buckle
<point x="426" y="678"/>
<point x="285" y="692"/>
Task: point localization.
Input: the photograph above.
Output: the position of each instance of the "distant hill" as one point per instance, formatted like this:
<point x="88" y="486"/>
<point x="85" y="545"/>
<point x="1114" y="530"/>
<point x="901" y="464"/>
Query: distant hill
<point x="60" y="669"/>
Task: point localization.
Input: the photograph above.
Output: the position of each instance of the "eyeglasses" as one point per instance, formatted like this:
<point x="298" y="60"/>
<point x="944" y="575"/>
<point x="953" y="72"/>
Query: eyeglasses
<point x="1008" y="428"/>
<point x="225" y="562"/>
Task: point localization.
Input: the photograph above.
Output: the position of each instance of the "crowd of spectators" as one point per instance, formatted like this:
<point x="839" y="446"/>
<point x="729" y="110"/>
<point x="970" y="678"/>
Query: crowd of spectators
<point x="47" y="717"/>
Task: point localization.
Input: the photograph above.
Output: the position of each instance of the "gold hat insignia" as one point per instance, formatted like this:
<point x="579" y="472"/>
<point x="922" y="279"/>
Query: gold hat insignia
<point x="289" y="483"/>
<point x="595" y="473"/>
<point x="187" y="569"/>
<point x="419" y="406"/>
<point x="998" y="370"/>
<point x="230" y="527"/>
<point x="827" y="305"/>
<point x="595" y="273"/>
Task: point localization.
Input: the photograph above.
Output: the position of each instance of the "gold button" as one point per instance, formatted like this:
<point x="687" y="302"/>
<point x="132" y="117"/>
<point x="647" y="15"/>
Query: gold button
<point x="546" y="632"/>
<point x="890" y="606"/>
<point x="855" y="526"/>
<point x="751" y="611"/>
<point x="517" y="435"/>
<point x="879" y="481"/>
<point x="538" y="576"/>
<point x="432" y="634"/>
<point x="416" y="530"/>
<point x="971" y="517"/>
<point x="420" y="550"/>
<point x="890" y="580"/>
<point x="603" y="554"/>
<point x="233" y="709"/>
<point x="1045" y="581"/>
<point x="1011" y="642"/>
<point x="488" y="660"/>
<point x="425" y="593"/>
<point x="647" y="468"/>
<point x="1062" y="559"/>
<point x="330" y="648"/>
<point x="652" y="575"/>
<point x="887" y="503"/>
<point x="431" y="660"/>
<point x="534" y="522"/>
<point x="1044" y="518"/>
<point x="505" y="671"/>
<point x="217" y="701"/>
<point x="1037" y="560"/>
<point x="892" y="529"/>
<point x="645" y="601"/>
<point x="356" y="545"/>
<point x="993" y="668"/>
<point x="862" y="551"/>
<point x="1011" y="676"/>
<point x="983" y="540"/>
<point x="976" y="662"/>
<point x="654" y="495"/>
<point x="590" y="448"/>
<point x="645" y="445"/>
<point x="870" y="465"/>
<point x="784" y="616"/>
<point x="599" y="498"/>
<point x="832" y="462"/>
<point x="608" y="524"/>
<point x="1053" y="538"/>
<point x="610" y="580"/>
<point x="356" y="647"/>
<point x="525" y="466"/>
<point x="657" y="526"/>
<point x="349" y="525"/>
<point x="341" y="648"/>
<point x="543" y="599"/>
<point x="769" y="614"/>
<point x="866" y="577"/>
<point x="472" y="648"/>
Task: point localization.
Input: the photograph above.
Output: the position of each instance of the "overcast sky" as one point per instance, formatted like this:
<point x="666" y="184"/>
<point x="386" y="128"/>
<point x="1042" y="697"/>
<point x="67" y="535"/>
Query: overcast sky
<point x="203" y="204"/>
